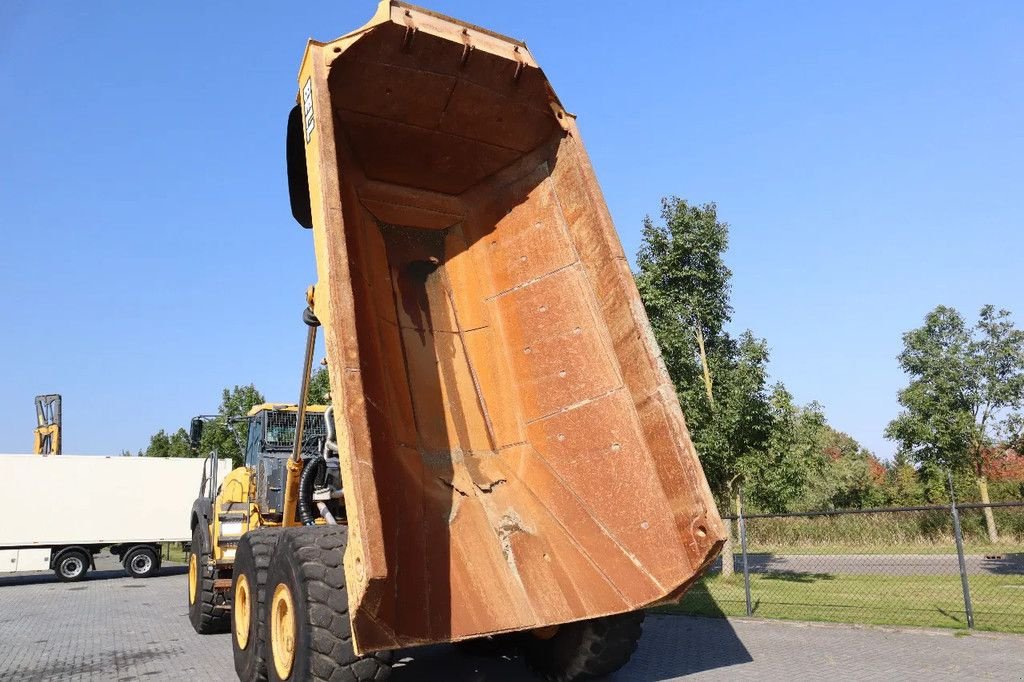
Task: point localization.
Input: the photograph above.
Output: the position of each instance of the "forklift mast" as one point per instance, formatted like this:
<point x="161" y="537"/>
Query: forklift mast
<point x="48" y="425"/>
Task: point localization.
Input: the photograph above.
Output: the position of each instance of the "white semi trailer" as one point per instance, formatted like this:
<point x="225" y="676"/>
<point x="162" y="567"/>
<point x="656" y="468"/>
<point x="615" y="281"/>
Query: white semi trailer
<point x="63" y="510"/>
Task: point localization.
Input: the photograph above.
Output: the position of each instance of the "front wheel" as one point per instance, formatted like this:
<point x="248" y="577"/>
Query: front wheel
<point x="71" y="566"/>
<point x="248" y="590"/>
<point x="141" y="562"/>
<point x="585" y="650"/>
<point x="309" y="634"/>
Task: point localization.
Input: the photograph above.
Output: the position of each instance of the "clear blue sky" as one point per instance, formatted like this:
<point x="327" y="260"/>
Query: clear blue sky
<point x="868" y="157"/>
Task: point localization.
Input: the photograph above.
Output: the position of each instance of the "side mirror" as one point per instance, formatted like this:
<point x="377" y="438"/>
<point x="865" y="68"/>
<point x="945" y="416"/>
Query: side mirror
<point x="195" y="432"/>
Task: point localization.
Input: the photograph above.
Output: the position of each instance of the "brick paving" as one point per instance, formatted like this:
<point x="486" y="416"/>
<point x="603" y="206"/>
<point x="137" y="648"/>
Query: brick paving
<point x="107" y="627"/>
<point x="111" y="627"/>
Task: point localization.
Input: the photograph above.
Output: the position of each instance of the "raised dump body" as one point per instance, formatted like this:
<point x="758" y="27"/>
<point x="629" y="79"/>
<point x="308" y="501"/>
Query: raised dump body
<point x="513" y="451"/>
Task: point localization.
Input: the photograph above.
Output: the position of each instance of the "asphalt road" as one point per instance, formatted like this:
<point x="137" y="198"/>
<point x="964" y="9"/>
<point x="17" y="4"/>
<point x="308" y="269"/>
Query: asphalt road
<point x="883" y="564"/>
<point x="111" y="627"/>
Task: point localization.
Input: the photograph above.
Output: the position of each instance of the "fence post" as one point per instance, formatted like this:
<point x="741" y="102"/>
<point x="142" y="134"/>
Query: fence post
<point x="743" y="548"/>
<point x="968" y="608"/>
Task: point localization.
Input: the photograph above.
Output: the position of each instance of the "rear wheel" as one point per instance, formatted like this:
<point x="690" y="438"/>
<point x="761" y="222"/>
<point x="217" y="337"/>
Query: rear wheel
<point x="141" y="562"/>
<point x="203" y="612"/>
<point x="248" y="590"/>
<point x="585" y="650"/>
<point x="309" y="635"/>
<point x="71" y="565"/>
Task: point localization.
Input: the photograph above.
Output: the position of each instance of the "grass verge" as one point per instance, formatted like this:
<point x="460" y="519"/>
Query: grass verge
<point x="924" y="601"/>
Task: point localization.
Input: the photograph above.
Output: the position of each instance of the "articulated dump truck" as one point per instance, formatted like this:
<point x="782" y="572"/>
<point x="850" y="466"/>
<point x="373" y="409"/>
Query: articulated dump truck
<point x="513" y="458"/>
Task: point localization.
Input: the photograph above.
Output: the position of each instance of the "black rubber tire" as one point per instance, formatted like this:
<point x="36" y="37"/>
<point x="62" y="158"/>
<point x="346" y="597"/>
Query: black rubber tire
<point x="136" y="564"/>
<point x="585" y="650"/>
<point x="308" y="561"/>
<point x="203" y="613"/>
<point x="298" y="176"/>
<point x="255" y="550"/>
<point x="72" y="565"/>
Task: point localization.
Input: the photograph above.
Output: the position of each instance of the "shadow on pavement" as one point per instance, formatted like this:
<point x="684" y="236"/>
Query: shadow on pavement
<point x="671" y="646"/>
<point x="794" y="577"/>
<point x="1004" y="564"/>
<point x="92" y="576"/>
<point x="674" y="646"/>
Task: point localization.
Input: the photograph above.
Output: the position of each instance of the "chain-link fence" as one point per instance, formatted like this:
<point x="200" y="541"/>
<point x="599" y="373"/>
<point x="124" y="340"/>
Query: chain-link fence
<point x="934" y="566"/>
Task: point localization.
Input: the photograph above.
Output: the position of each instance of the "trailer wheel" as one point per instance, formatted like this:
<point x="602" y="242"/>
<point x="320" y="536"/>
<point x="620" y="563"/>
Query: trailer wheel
<point x="71" y="565"/>
<point x="309" y="634"/>
<point x="248" y="594"/>
<point x="141" y="562"/>
<point x="206" y="618"/>
<point x="584" y="650"/>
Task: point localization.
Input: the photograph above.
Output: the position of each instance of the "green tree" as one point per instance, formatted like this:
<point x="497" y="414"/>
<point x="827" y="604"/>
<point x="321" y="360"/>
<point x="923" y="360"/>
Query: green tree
<point x="733" y="432"/>
<point x="226" y="434"/>
<point x="840" y="472"/>
<point x="902" y="486"/>
<point x="319" y="392"/>
<point x="965" y="394"/>
<point x="793" y="459"/>
<point x="721" y="381"/>
<point x="857" y="479"/>
<point x="684" y="283"/>
<point x="174" y="445"/>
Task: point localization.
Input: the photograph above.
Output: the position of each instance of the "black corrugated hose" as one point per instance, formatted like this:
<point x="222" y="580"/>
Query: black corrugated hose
<point x="315" y="467"/>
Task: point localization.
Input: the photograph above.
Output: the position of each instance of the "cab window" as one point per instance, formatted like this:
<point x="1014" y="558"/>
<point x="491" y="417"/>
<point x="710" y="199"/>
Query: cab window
<point x="252" y="446"/>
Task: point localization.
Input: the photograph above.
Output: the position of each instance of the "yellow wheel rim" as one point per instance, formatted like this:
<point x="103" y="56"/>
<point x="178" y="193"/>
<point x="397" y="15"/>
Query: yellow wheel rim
<point x="193" y="578"/>
<point x="242" y="608"/>
<point x="282" y="630"/>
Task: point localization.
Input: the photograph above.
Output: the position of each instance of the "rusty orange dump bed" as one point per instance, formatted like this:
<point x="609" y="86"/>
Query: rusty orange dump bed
<point x="516" y="456"/>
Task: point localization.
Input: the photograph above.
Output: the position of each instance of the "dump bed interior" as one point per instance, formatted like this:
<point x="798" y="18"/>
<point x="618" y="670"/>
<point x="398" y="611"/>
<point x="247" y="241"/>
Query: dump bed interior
<point x="516" y="454"/>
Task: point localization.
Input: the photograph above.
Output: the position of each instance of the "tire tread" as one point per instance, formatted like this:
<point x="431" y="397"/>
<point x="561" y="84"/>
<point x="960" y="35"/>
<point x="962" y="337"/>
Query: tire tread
<point x="260" y="544"/>
<point x="586" y="650"/>
<point x="209" y="619"/>
<point x="316" y="553"/>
